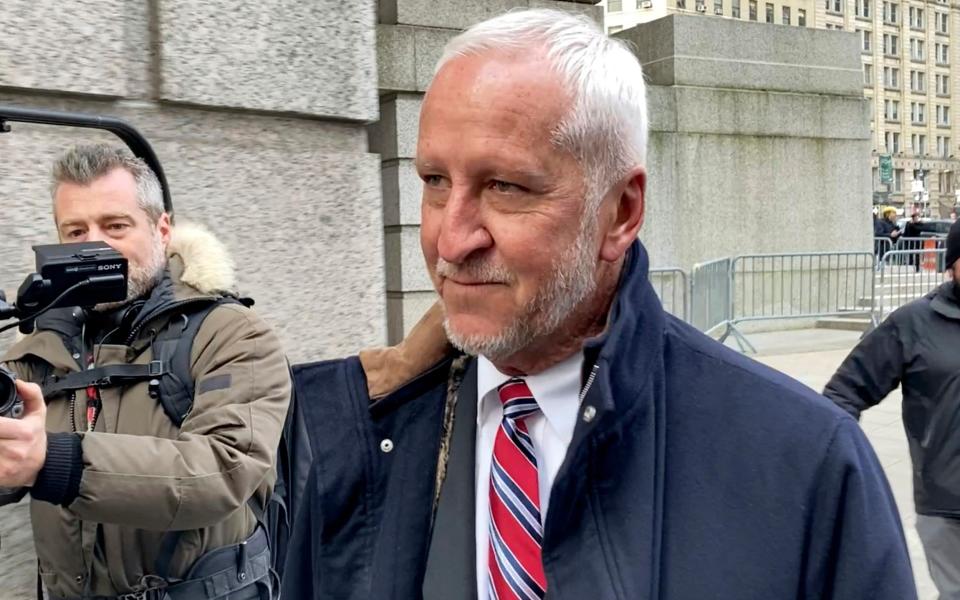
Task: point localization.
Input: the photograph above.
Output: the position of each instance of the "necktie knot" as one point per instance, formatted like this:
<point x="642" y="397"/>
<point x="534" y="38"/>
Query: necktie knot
<point x="518" y="401"/>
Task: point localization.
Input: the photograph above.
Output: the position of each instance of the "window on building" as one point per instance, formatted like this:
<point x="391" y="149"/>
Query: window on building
<point x="943" y="150"/>
<point x="891" y="13"/>
<point x="943" y="115"/>
<point x="735" y="9"/>
<point x="614" y="5"/>
<point x="682" y="4"/>
<point x="786" y="15"/>
<point x="862" y="8"/>
<point x="940" y="20"/>
<point x="865" y="38"/>
<point x="867" y="74"/>
<point x="917" y="113"/>
<point x="918" y="142"/>
<point x="943" y="177"/>
<point x="943" y="85"/>
<point x="718" y="7"/>
<point x="752" y="7"/>
<point x="917" y="20"/>
<point x="917" y="49"/>
<point x="891" y="77"/>
<point x="898" y="177"/>
<point x="891" y="110"/>
<point x="769" y="13"/>
<point x="942" y="52"/>
<point x="834" y="6"/>
<point x="918" y="82"/>
<point x="802" y="17"/>
<point x="891" y="44"/>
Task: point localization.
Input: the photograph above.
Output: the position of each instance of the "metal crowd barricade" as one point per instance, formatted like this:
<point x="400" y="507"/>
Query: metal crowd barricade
<point x="798" y="286"/>
<point x="710" y="295"/>
<point x="881" y="245"/>
<point x="906" y="275"/>
<point x="671" y="285"/>
<point x="920" y="243"/>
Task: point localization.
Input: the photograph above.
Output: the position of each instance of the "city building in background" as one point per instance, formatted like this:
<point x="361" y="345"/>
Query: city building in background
<point x="909" y="76"/>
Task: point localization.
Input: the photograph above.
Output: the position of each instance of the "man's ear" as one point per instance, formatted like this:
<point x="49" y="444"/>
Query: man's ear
<point x="164" y="228"/>
<point x="628" y="203"/>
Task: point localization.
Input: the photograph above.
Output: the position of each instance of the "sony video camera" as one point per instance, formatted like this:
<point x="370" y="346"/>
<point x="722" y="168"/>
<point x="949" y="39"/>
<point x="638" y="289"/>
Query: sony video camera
<point x="83" y="274"/>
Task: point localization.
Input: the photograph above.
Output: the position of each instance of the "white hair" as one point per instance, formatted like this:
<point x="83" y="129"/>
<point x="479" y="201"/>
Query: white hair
<point x="606" y="128"/>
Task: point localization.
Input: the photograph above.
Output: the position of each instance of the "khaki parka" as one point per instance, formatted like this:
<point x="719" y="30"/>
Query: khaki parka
<point x="142" y="476"/>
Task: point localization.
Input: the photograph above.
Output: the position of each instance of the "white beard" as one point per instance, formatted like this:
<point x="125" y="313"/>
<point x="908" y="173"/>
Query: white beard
<point x="572" y="281"/>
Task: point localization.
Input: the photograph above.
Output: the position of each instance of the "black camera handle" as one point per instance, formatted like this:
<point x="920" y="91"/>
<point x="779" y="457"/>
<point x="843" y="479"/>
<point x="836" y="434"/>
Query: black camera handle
<point x="123" y="130"/>
<point x="14" y="312"/>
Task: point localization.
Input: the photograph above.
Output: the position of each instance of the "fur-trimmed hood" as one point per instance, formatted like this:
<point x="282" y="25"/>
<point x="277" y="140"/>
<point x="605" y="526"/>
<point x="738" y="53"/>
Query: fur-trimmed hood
<point x="206" y="263"/>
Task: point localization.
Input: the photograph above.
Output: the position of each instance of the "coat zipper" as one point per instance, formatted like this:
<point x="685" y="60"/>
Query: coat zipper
<point x="590" y="378"/>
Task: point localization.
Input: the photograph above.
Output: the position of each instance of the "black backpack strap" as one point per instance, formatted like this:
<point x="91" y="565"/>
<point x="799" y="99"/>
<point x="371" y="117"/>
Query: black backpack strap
<point x="174" y="391"/>
<point x="107" y="376"/>
<point x="173" y="347"/>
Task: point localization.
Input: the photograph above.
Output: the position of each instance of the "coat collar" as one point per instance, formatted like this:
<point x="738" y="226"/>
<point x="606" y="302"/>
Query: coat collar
<point x="633" y="341"/>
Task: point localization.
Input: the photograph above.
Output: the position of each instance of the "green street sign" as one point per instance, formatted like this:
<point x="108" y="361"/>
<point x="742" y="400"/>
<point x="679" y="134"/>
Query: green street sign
<point x="886" y="168"/>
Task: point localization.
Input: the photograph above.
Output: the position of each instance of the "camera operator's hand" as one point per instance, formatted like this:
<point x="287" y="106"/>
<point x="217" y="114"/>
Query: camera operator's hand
<point x="23" y="442"/>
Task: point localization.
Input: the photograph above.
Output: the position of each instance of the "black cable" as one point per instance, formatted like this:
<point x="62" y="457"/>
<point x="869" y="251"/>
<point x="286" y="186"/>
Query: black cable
<point x="53" y="304"/>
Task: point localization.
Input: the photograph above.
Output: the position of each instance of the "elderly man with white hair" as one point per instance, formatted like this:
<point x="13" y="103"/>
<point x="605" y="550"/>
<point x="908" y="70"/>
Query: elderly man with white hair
<point x="548" y="430"/>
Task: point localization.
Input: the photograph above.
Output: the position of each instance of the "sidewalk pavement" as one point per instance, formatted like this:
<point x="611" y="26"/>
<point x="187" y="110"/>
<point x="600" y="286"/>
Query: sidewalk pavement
<point x="811" y="356"/>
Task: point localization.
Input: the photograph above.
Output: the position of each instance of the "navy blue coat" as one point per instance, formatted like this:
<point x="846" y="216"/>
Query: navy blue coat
<point x="702" y="475"/>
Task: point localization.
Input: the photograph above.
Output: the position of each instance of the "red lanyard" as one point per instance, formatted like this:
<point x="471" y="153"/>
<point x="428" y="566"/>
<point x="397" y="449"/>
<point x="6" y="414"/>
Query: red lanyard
<point x="93" y="400"/>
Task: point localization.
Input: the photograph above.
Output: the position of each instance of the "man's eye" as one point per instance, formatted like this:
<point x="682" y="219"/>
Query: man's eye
<point x="432" y="180"/>
<point x="504" y="187"/>
<point x="117" y="226"/>
<point x="74" y="233"/>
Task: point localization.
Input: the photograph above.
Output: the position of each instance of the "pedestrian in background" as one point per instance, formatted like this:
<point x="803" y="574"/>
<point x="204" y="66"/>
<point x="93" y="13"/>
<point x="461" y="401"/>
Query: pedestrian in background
<point x="918" y="348"/>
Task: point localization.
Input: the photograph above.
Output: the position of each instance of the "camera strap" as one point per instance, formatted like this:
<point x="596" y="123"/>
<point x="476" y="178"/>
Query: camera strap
<point x="106" y="376"/>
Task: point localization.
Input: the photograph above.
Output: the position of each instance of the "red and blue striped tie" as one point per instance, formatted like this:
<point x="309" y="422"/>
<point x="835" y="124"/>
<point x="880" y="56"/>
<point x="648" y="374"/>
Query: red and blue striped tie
<point x="514" y="564"/>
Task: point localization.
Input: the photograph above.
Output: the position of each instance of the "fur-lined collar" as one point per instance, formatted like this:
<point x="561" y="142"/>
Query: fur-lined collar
<point x="207" y="265"/>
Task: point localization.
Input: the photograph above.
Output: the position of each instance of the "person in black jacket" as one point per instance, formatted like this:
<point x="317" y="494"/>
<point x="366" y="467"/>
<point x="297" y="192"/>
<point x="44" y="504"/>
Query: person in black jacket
<point x="918" y="347"/>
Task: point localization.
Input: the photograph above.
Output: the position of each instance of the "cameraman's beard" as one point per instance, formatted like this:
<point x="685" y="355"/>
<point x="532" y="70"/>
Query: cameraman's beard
<point x="141" y="279"/>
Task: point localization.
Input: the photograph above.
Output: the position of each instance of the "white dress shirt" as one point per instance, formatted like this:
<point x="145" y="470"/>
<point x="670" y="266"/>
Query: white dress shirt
<point x="557" y="392"/>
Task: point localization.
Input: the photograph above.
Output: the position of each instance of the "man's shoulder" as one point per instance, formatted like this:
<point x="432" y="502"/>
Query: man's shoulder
<point x="719" y="381"/>
<point x="231" y="314"/>
<point x="913" y="312"/>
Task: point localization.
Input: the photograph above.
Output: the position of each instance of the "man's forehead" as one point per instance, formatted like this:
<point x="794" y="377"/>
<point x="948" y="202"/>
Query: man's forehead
<point x="112" y="194"/>
<point x="497" y="80"/>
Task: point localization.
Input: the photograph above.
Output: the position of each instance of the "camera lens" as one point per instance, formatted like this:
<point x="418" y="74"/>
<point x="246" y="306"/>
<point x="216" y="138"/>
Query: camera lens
<point x="8" y="395"/>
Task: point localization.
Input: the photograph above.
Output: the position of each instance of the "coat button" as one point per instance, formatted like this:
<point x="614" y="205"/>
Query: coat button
<point x="386" y="445"/>
<point x="589" y="412"/>
<point x="79" y="578"/>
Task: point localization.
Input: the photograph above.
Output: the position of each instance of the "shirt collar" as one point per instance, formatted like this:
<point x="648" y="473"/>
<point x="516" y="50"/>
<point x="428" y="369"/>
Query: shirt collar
<point x="556" y="390"/>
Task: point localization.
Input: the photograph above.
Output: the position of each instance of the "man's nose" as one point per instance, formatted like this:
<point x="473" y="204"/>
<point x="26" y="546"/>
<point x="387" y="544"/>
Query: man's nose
<point x="462" y="230"/>
<point x="95" y="234"/>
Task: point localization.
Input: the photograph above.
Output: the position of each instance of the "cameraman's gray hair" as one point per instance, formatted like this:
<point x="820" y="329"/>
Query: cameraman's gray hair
<point x="85" y="163"/>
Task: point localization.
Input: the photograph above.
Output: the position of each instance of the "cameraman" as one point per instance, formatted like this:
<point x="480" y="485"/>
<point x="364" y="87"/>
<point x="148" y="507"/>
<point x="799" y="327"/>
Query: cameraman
<point x="123" y="500"/>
